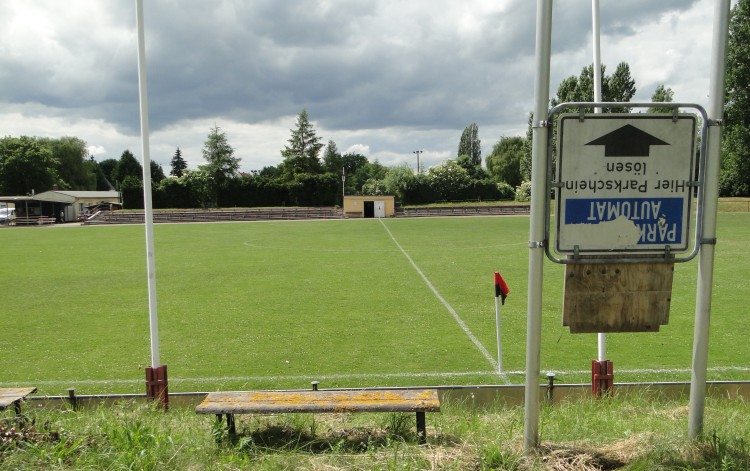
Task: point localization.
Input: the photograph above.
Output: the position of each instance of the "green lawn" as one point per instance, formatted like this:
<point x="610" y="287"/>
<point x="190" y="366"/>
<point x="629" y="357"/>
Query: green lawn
<point x="278" y="304"/>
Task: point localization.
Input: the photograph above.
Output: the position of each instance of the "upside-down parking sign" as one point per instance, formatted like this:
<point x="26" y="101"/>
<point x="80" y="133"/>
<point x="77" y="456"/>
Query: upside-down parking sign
<point x="625" y="182"/>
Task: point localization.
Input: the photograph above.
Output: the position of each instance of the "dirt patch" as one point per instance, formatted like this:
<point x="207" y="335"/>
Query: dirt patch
<point x="566" y="457"/>
<point x="14" y="434"/>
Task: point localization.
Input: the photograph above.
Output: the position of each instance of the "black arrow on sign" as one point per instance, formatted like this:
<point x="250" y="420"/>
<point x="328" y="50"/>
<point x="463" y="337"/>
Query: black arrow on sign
<point x="627" y="141"/>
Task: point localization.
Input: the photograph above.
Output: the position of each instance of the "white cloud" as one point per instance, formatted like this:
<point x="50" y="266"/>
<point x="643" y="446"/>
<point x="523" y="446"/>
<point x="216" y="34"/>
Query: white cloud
<point x="358" y="149"/>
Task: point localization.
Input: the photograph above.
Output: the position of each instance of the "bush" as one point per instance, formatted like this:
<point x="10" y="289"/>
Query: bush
<point x="132" y="193"/>
<point x="173" y="193"/>
<point x="314" y="190"/>
<point x="506" y="191"/>
<point x="449" y="180"/>
<point x="523" y="192"/>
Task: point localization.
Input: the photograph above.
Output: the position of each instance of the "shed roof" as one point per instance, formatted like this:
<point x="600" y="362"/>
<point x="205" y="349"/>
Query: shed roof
<point x="69" y="197"/>
<point x="102" y="195"/>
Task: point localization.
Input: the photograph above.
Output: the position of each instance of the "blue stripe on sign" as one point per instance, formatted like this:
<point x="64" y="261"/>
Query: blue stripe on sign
<point x="660" y="219"/>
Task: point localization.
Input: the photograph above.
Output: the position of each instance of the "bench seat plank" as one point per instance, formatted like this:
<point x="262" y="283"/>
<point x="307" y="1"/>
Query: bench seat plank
<point x="277" y="402"/>
<point x="10" y="396"/>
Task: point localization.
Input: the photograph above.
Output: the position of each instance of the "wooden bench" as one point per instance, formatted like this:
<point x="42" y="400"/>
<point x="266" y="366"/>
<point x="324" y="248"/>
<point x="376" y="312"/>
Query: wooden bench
<point x="14" y="396"/>
<point x="322" y="401"/>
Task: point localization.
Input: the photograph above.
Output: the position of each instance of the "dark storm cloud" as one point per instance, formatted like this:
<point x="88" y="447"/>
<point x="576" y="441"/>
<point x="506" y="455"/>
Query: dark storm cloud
<point x="353" y="65"/>
<point x="262" y="60"/>
<point x="572" y="18"/>
<point x="271" y="59"/>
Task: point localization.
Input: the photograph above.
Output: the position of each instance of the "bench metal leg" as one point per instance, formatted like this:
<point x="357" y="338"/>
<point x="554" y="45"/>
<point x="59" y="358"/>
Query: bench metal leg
<point x="231" y="430"/>
<point x="230" y="424"/>
<point x="20" y="418"/>
<point x="421" y="427"/>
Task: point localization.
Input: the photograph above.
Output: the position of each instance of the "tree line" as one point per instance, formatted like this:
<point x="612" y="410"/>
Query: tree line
<point x="306" y="178"/>
<point x="310" y="174"/>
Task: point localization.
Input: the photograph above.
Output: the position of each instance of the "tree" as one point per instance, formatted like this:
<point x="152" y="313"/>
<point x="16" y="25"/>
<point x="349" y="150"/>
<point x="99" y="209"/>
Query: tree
<point x="131" y="189"/>
<point x="504" y="163"/>
<point x="222" y="164"/>
<point x="661" y="95"/>
<point x="619" y="87"/>
<point x="398" y="180"/>
<point x="157" y="173"/>
<point x="301" y="155"/>
<point x="26" y="166"/>
<point x="201" y="185"/>
<point x="362" y="170"/>
<point x="127" y="166"/>
<point x="735" y="165"/>
<point x="69" y="155"/>
<point x="178" y="164"/>
<point x="526" y="158"/>
<point x="108" y="169"/>
<point x="102" y="183"/>
<point x="470" y="144"/>
<point x="332" y="161"/>
<point x="476" y="172"/>
<point x="449" y="180"/>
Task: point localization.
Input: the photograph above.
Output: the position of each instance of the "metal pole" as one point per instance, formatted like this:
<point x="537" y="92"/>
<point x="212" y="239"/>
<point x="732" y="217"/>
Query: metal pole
<point x="147" y="205"/>
<point x="418" y="152"/>
<point x="708" y="229"/>
<point x="537" y="221"/>
<point x="597" y="67"/>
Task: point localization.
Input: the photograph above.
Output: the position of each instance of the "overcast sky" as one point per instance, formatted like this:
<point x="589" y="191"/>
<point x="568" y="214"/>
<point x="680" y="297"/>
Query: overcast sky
<point x="380" y="77"/>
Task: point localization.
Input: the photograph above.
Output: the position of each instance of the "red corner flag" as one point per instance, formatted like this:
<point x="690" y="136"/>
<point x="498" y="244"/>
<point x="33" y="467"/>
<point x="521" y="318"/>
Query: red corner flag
<point x="501" y="289"/>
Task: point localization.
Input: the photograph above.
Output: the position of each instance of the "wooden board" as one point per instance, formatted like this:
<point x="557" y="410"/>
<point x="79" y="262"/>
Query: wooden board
<point x="10" y="395"/>
<point x="277" y="402"/>
<point x="617" y="297"/>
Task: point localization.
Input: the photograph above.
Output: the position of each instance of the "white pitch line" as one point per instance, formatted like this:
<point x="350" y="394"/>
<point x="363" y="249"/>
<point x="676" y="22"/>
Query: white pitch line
<point x="313" y="377"/>
<point x="450" y="309"/>
<point x="310" y="377"/>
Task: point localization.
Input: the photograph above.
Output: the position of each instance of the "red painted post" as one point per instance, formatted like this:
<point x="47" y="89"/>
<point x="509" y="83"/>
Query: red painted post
<point x="602" y="377"/>
<point x="157" y="386"/>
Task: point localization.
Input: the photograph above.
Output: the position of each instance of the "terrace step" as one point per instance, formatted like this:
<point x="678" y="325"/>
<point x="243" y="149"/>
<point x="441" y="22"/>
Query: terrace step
<point x="195" y="215"/>
<point x="440" y="211"/>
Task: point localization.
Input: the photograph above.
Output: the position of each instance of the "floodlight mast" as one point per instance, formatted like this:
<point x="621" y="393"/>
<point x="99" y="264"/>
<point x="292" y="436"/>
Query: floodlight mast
<point x="418" y="152"/>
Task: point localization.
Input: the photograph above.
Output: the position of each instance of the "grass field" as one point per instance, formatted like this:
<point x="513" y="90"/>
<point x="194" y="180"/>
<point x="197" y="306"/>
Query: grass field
<point x="278" y="304"/>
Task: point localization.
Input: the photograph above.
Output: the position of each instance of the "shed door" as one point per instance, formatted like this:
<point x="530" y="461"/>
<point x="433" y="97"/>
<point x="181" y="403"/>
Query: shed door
<point x="379" y="209"/>
<point x="369" y="209"/>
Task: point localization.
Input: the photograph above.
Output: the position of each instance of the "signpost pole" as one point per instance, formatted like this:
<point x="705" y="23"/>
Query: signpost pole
<point x="601" y="337"/>
<point x="597" y="53"/>
<point x="537" y="222"/>
<point x="708" y="230"/>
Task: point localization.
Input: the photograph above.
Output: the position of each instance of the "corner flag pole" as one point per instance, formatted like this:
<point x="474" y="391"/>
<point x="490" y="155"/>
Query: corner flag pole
<point x="501" y="292"/>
